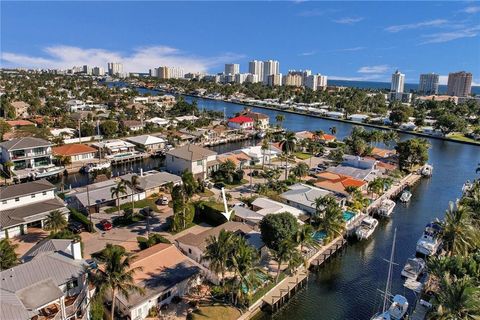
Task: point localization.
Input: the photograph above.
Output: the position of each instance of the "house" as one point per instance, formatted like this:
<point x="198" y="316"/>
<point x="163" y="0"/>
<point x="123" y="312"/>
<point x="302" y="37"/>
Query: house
<point x="358" y="117"/>
<point x="153" y="181"/>
<point x="50" y="284"/>
<point x="409" y="126"/>
<point x="237" y="157"/>
<point x="75" y="105"/>
<point x="21" y="108"/>
<point x="261" y="120"/>
<point x="241" y="122"/>
<point x="194" y="245"/>
<point x="27" y="205"/>
<point x="261" y="156"/>
<point x="303" y="135"/>
<point x="186" y="118"/>
<point x="334" y="114"/>
<point x="303" y="196"/>
<point x="96" y="195"/>
<point x="77" y="152"/>
<point x="165" y="273"/>
<point x="140" y="100"/>
<point x="195" y="159"/>
<point x="327" y="137"/>
<point x="27" y="152"/>
<point x="148" y="143"/>
<point x="338" y="183"/>
<point x="159" y="122"/>
<point x="356" y="167"/>
<point x="113" y="147"/>
<point x="380" y="153"/>
<point x="19" y="123"/>
<point x="63" y="132"/>
<point x="133" y="125"/>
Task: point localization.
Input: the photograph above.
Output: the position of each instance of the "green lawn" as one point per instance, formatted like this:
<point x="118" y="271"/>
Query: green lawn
<point x="149" y="202"/>
<point x="231" y="186"/>
<point x="303" y="155"/>
<point x="220" y="312"/>
<point x="461" y="137"/>
<point x="206" y="194"/>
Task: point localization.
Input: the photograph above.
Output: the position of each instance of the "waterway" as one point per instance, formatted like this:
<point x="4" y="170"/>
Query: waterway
<point x="347" y="287"/>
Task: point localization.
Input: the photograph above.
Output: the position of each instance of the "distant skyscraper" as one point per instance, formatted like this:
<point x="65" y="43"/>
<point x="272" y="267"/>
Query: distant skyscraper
<point x="232" y="68"/>
<point x="270" y="67"/>
<point x="428" y="83"/>
<point x="169" y="72"/>
<point x="115" y="68"/>
<point x="87" y="69"/>
<point x="98" y="71"/>
<point x="398" y="82"/>
<point x="459" y="84"/>
<point x="256" y="67"/>
<point x="315" y="81"/>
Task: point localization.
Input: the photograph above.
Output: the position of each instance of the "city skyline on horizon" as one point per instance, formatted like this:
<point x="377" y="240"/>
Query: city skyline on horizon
<point x="354" y="58"/>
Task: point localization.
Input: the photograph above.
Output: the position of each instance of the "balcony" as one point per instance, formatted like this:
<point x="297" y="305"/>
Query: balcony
<point x="73" y="303"/>
<point x="53" y="311"/>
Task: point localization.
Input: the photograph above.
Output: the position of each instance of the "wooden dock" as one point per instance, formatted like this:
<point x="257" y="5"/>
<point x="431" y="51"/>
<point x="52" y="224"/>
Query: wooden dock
<point x="325" y="253"/>
<point x="284" y="291"/>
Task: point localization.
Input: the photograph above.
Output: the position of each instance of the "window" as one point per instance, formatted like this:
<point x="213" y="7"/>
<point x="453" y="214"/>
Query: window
<point x="44" y="193"/>
<point x="4" y="202"/>
<point x="189" y="250"/>
<point x="33" y="195"/>
<point x="164" y="296"/>
<point x="17" y="199"/>
<point x="199" y="162"/>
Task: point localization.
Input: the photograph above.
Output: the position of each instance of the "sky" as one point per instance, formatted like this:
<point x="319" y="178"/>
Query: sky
<point x="343" y="40"/>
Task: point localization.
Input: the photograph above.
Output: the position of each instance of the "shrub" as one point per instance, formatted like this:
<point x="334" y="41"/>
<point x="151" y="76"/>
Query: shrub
<point x="153" y="239"/>
<point x="80" y="217"/>
<point x="97" y="309"/>
<point x="209" y="212"/>
<point x="332" y="144"/>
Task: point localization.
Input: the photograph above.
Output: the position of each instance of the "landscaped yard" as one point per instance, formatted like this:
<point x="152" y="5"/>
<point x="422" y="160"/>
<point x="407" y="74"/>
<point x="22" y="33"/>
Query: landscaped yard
<point x="303" y="155"/>
<point x="220" y="312"/>
<point x="149" y="202"/>
<point x="461" y="137"/>
<point x="231" y="186"/>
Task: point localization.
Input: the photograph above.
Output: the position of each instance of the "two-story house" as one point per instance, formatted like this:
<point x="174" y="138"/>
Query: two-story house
<point x="241" y="122"/>
<point x="27" y="152"/>
<point x="195" y="159"/>
<point x="262" y="121"/>
<point x="26" y="205"/>
<point x="50" y="284"/>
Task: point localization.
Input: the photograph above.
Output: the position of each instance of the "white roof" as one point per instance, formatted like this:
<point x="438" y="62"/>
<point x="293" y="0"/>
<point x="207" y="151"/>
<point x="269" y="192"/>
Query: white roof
<point x="58" y="131"/>
<point x="146" y="140"/>
<point x="114" y="144"/>
<point x="158" y="121"/>
<point x="270" y="206"/>
<point x="186" y="118"/>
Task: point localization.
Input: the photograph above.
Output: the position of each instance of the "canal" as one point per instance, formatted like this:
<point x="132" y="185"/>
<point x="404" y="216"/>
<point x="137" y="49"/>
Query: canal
<point x="347" y="287"/>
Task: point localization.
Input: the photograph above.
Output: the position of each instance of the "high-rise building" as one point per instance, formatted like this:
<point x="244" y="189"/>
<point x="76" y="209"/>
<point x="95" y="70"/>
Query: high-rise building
<point x="459" y="84"/>
<point x="322" y="81"/>
<point x="98" y="71"/>
<point x="252" y="78"/>
<point x="255" y="67"/>
<point x="241" y="78"/>
<point x="270" y="67"/>
<point x="428" y="83"/>
<point x="315" y="81"/>
<point x="295" y="80"/>
<point x="232" y="68"/>
<point x="87" y="69"/>
<point x="274" y="80"/>
<point x="115" y="68"/>
<point x="168" y="72"/>
<point x="398" y="82"/>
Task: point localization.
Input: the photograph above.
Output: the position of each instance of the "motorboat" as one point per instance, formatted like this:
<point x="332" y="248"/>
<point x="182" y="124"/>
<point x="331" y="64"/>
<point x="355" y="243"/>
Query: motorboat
<point x="413" y="268"/>
<point x="47" y="171"/>
<point x="398" y="304"/>
<point x="467" y="187"/>
<point x="90" y="167"/>
<point x="405" y="196"/>
<point x="386" y="208"/>
<point x="366" y="228"/>
<point x="430" y="242"/>
<point x="427" y="170"/>
<point x="261" y="134"/>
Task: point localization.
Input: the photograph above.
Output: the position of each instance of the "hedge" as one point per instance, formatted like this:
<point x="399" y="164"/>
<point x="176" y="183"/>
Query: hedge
<point x="80" y="217"/>
<point x="209" y="212"/>
<point x="153" y="239"/>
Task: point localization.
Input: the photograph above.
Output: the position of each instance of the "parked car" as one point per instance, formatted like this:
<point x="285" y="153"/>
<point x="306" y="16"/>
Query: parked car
<point x="219" y="185"/>
<point x="92" y="264"/>
<point x="162" y="201"/>
<point x="76" y="227"/>
<point x="106" y="225"/>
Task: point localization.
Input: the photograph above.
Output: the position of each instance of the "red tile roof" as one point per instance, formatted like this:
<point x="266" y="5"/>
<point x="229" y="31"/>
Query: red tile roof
<point x="73" y="149"/>
<point x="20" y="123"/>
<point x="240" y="119"/>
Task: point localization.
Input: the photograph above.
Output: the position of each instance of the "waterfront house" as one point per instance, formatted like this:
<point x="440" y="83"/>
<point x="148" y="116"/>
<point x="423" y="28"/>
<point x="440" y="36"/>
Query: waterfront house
<point x="302" y="196"/>
<point x="195" y="159"/>
<point x="356" y="167"/>
<point x="303" y="135"/>
<point x="358" y="117"/>
<point x="261" y="120"/>
<point x="133" y="125"/>
<point x="326" y="137"/>
<point x="27" y="205"/>
<point x="409" y="126"/>
<point x="20" y="123"/>
<point x="239" y="158"/>
<point x="165" y="273"/>
<point x="153" y="181"/>
<point x="241" y="122"/>
<point x="20" y="108"/>
<point x="432" y="131"/>
<point x="334" y="114"/>
<point x="75" y="105"/>
<point x="338" y="183"/>
<point x="114" y="147"/>
<point x="50" y="284"/>
<point x="379" y="153"/>
<point x="159" y="122"/>
<point x="261" y="207"/>
<point x="77" y="152"/>
<point x="27" y="152"/>
<point x="148" y="143"/>
<point x="260" y="156"/>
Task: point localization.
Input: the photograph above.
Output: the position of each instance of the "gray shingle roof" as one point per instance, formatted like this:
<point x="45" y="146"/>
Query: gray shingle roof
<point x="30" y="213"/>
<point x="24" y="143"/>
<point x="191" y="152"/>
<point x="17" y="190"/>
<point x="304" y="194"/>
<point x="48" y="245"/>
<point x="153" y="179"/>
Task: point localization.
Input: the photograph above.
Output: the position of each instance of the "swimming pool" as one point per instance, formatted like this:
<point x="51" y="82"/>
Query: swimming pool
<point x="319" y="235"/>
<point x="348" y="215"/>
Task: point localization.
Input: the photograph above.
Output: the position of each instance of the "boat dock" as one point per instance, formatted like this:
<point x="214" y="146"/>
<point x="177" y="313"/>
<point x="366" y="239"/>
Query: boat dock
<point x="420" y="312"/>
<point x="325" y="253"/>
<point x="128" y="157"/>
<point x="282" y="293"/>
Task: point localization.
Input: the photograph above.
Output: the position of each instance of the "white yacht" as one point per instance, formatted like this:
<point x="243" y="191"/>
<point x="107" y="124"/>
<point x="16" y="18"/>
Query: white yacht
<point x="366" y="228"/>
<point x="398" y="304"/>
<point x="427" y="170"/>
<point x="47" y="171"/>
<point x="386" y="208"/>
<point x="90" y="167"/>
<point x="413" y="268"/>
<point x="430" y="242"/>
<point x="467" y="186"/>
<point x="405" y="197"/>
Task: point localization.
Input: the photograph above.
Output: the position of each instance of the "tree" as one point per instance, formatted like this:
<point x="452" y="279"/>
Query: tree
<point x="304" y="237"/>
<point x="279" y="118"/>
<point x="4" y="128"/>
<point x="412" y="152"/>
<point x="218" y="252"/>
<point x="287" y="145"/>
<point x="449" y="122"/>
<point x="109" y="128"/>
<point x="183" y="211"/>
<point x="189" y="184"/>
<point x="133" y="184"/>
<point x="8" y="256"/>
<point x="300" y="170"/>
<point x="336" y="155"/>
<point x="376" y="186"/>
<point x="117" y="275"/>
<point x="117" y="191"/>
<point x="55" y="221"/>
<point x="328" y="217"/>
<point x="275" y="228"/>
<point x="286" y="251"/>
<point x="226" y="172"/>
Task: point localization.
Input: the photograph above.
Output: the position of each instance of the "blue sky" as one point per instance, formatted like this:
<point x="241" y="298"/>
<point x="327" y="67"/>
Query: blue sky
<point x="344" y="40"/>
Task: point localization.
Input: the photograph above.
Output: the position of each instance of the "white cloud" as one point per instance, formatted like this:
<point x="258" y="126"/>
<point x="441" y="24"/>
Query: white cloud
<point x="369" y="77"/>
<point x="309" y="53"/>
<point x="429" y="23"/>
<point x="451" y="35"/>
<point x="348" y="20"/>
<point x="140" y="60"/>
<point x="471" y="9"/>
<point x="350" y="49"/>
<point x="378" y="69"/>
<point x="311" y="13"/>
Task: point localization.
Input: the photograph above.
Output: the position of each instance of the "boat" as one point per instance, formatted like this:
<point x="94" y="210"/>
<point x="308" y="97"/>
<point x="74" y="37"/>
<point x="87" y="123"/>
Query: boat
<point x="405" y="197"/>
<point x="413" y="268"/>
<point x="398" y="304"/>
<point x="261" y="134"/>
<point x="47" y="172"/>
<point x="366" y="228"/>
<point x="430" y="242"/>
<point x="467" y="187"/>
<point x="90" y="167"/>
<point x="427" y="170"/>
<point x="386" y="208"/>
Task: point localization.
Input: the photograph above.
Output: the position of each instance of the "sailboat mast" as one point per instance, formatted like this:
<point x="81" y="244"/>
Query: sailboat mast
<point x="389" y="277"/>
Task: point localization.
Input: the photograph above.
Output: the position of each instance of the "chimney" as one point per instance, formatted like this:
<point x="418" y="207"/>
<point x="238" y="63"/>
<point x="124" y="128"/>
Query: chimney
<point x="76" y="250"/>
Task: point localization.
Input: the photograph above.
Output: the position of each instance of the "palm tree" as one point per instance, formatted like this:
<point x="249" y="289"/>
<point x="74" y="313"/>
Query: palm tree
<point x="279" y="118"/>
<point x="329" y="217"/>
<point x="218" y="251"/>
<point x="117" y="191"/>
<point x="8" y="167"/>
<point x="55" y="221"/>
<point x="457" y="299"/>
<point x="376" y="186"/>
<point x="133" y="184"/>
<point x="458" y="233"/>
<point x="265" y="147"/>
<point x="9" y="257"/>
<point x="304" y="237"/>
<point x="286" y="252"/>
<point x="300" y="170"/>
<point x="333" y="130"/>
<point x="117" y="274"/>
<point x="288" y="146"/>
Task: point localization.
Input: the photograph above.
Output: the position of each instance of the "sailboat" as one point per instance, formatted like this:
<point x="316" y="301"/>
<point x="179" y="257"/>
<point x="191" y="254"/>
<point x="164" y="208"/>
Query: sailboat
<point x="398" y="304"/>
